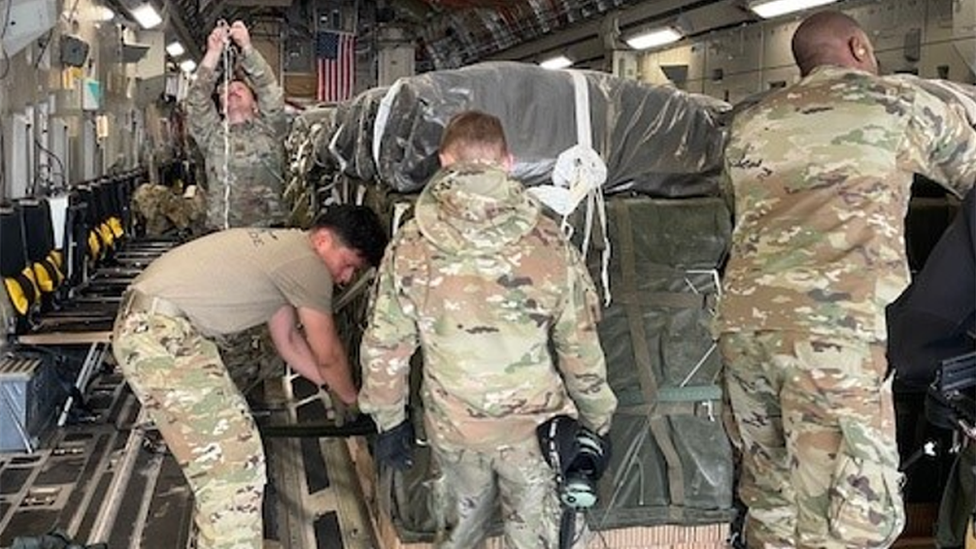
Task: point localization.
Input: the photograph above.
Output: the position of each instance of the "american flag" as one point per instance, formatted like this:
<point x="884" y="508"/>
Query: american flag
<point x="335" y="54"/>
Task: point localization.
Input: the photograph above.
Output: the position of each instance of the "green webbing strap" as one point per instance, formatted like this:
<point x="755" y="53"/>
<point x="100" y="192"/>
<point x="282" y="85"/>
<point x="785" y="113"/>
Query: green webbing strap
<point x="674" y="300"/>
<point x="693" y="393"/>
<point x="660" y="427"/>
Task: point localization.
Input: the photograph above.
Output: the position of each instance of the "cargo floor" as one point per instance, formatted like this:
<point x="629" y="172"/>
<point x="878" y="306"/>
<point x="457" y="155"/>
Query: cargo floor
<point x="112" y="480"/>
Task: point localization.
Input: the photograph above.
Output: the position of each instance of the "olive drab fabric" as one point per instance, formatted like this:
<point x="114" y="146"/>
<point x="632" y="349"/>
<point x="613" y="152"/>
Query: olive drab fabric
<point x="160" y="210"/>
<point x="822" y="174"/>
<point x="232" y="280"/>
<point x="505" y="313"/>
<point x="478" y="278"/>
<point x="254" y="154"/>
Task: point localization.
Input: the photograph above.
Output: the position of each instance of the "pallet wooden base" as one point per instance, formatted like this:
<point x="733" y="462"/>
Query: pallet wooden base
<point x="712" y="536"/>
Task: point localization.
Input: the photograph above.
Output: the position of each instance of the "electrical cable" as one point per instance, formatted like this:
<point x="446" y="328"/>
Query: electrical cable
<point x="45" y="150"/>
<point x="3" y="33"/>
<point x="6" y="19"/>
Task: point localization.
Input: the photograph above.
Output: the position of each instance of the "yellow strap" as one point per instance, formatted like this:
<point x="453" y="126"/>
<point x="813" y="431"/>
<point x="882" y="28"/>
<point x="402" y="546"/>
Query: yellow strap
<point x="53" y="260"/>
<point x="115" y="224"/>
<point x="44" y="281"/>
<point x="28" y="273"/>
<point x="16" y="293"/>
<point x="94" y="244"/>
<point x="106" y="233"/>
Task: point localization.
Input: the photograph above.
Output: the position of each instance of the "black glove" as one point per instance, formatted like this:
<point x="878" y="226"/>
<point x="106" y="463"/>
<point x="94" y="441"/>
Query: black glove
<point x="394" y="448"/>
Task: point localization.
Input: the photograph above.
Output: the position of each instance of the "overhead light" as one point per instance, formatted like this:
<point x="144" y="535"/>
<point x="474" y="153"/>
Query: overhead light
<point x="188" y="65"/>
<point x="558" y="62"/>
<point x="774" y="8"/>
<point x="103" y="13"/>
<point x="653" y="38"/>
<point x="175" y="49"/>
<point x="146" y="16"/>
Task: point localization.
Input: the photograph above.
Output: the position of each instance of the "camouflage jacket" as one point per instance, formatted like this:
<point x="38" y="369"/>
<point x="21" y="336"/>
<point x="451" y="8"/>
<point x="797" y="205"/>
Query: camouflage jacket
<point x="822" y="175"/>
<point x="250" y="192"/>
<point x="503" y="309"/>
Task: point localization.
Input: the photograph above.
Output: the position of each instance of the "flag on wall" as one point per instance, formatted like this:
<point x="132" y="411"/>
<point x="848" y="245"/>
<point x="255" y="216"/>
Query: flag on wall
<point x="335" y="60"/>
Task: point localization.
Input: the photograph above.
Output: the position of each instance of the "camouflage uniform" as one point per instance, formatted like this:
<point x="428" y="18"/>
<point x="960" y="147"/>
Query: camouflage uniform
<point x="255" y="164"/>
<point x="479" y="280"/>
<point x="822" y="174"/>
<point x="179" y="377"/>
<point x="224" y="283"/>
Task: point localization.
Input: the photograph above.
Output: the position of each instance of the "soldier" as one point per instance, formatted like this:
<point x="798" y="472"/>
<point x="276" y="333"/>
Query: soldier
<point x="484" y="284"/>
<point x="223" y="283"/>
<point x="244" y="154"/>
<point x="822" y="176"/>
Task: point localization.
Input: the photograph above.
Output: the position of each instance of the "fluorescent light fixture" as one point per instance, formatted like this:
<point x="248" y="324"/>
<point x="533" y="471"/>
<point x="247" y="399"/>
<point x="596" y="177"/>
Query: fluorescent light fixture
<point x="103" y="13"/>
<point x="146" y="16"/>
<point x="188" y="65"/>
<point x="653" y="38"/>
<point x="774" y="8"/>
<point x="558" y="62"/>
<point x="175" y="49"/>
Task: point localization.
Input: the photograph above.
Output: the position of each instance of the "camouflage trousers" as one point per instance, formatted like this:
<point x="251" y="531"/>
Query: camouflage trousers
<point x="819" y="457"/>
<point x="250" y="357"/>
<point x="518" y="477"/>
<point x="178" y="376"/>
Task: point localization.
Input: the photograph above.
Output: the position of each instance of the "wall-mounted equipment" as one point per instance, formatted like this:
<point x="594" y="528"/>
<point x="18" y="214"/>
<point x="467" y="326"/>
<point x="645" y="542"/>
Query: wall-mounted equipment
<point x="133" y="53"/>
<point x="774" y="8"/>
<point x="74" y="51"/>
<point x="26" y="21"/>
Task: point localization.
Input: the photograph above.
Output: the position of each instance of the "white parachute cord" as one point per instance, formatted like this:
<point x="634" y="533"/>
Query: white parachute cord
<point x="226" y="167"/>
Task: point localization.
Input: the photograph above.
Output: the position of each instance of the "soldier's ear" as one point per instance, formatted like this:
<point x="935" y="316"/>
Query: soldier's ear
<point x="858" y="48"/>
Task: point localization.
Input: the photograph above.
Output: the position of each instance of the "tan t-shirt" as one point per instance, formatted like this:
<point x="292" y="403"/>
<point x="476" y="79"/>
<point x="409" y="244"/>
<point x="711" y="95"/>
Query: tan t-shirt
<point x="232" y="280"/>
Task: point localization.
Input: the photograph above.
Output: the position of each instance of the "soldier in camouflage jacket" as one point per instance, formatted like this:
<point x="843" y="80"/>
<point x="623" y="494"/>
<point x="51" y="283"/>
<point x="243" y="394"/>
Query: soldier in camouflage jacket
<point x="505" y="314"/>
<point x="245" y="161"/>
<point x="822" y="174"/>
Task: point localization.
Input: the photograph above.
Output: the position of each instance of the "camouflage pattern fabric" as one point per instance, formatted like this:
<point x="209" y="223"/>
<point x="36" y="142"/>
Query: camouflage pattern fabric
<point x="822" y="175"/>
<point x="816" y="422"/>
<point x="255" y="165"/>
<point x="481" y="282"/>
<point x="161" y="210"/>
<point x="525" y="488"/>
<point x="250" y="357"/>
<point x="178" y="376"/>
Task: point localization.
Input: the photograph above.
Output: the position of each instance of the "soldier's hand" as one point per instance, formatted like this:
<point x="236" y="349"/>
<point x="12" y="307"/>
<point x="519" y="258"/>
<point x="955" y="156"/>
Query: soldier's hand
<point x="240" y="35"/>
<point x="215" y="42"/>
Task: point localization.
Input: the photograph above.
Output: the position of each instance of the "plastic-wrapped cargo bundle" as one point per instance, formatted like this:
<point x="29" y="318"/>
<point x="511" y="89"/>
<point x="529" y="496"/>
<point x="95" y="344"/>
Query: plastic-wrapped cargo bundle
<point x="669" y="483"/>
<point x="653" y="139"/>
<point x="351" y="144"/>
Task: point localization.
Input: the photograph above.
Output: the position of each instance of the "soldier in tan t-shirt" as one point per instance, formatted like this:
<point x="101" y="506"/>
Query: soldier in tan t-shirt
<point x="221" y="284"/>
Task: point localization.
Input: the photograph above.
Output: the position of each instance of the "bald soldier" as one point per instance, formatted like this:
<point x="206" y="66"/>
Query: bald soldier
<point x="822" y="174"/>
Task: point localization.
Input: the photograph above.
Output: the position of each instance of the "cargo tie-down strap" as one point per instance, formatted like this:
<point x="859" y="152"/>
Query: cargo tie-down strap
<point x="660" y="402"/>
